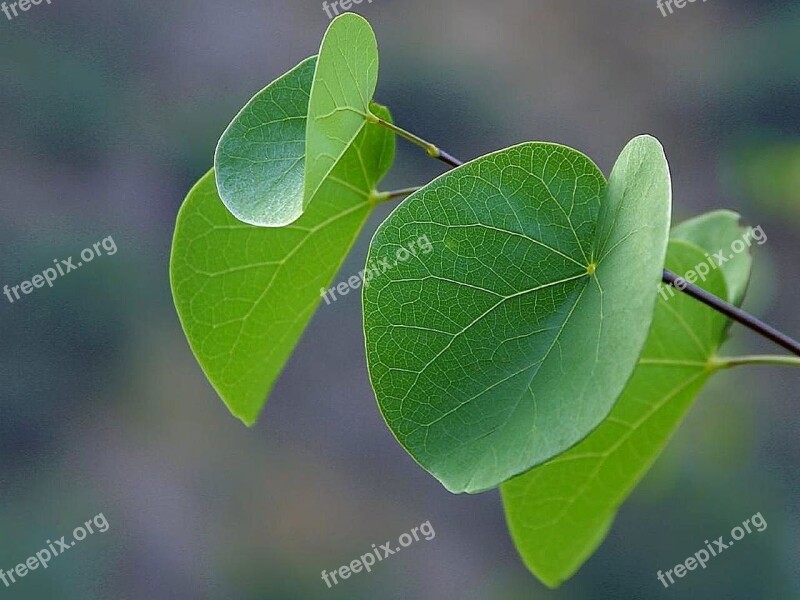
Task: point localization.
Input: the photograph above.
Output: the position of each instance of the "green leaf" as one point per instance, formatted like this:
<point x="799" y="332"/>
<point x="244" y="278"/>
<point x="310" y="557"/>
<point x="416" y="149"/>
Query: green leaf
<point x="259" y="158"/>
<point x="559" y="512"/>
<point x="344" y="83"/>
<point x="716" y="232"/>
<point x="512" y="340"/>
<point x="245" y="294"/>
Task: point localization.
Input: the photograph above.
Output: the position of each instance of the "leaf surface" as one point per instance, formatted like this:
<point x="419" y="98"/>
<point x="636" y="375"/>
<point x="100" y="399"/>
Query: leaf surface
<point x="512" y="340"/>
<point x="344" y="83"/>
<point x="559" y="512"/>
<point x="245" y="294"/>
<point x="259" y="160"/>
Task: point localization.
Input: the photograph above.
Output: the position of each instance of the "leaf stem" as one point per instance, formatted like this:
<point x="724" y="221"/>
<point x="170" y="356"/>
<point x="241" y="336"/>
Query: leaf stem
<point x="431" y="150"/>
<point x="732" y="312"/>
<point x="755" y="359"/>
<point x="392" y="194"/>
<point x="729" y="310"/>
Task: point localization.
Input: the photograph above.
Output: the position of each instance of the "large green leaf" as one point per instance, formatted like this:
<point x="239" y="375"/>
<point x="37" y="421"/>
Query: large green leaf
<point x="716" y="232"/>
<point x="259" y="158"/>
<point x="344" y="83"/>
<point x="513" y="339"/>
<point x="559" y="512"/>
<point x="244" y="294"/>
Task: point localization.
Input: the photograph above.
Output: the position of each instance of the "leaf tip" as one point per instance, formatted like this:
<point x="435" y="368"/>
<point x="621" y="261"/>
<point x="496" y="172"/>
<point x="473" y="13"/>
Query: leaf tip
<point x="248" y="418"/>
<point x="647" y="141"/>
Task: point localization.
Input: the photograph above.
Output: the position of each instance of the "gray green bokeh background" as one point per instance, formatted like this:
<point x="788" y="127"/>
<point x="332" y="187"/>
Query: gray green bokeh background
<point x="110" y="111"/>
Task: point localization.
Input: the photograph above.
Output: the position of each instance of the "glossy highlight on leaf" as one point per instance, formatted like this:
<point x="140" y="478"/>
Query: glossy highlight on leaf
<point x="344" y="83"/>
<point x="245" y="294"/>
<point x="559" y="512"/>
<point x="512" y="340"/>
<point x="259" y="161"/>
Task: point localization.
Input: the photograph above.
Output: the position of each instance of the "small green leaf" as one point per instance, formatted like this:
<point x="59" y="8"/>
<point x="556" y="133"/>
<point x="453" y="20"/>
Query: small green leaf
<point x="512" y="340"/>
<point x="344" y="83"/>
<point x="559" y="512"/>
<point x="716" y="232"/>
<point x="259" y="158"/>
<point x="245" y="294"/>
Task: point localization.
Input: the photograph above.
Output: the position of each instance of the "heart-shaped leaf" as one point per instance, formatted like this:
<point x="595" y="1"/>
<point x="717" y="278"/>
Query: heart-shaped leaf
<point x="259" y="158"/>
<point x="559" y="512"/>
<point x="344" y="83"/>
<point x="244" y="294"/>
<point x="512" y="340"/>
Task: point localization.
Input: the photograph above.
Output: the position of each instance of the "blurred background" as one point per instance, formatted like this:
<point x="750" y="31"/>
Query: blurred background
<point x="108" y="114"/>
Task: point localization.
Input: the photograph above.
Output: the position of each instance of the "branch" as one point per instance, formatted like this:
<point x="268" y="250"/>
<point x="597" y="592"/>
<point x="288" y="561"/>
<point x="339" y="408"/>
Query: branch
<point x="732" y="312"/>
